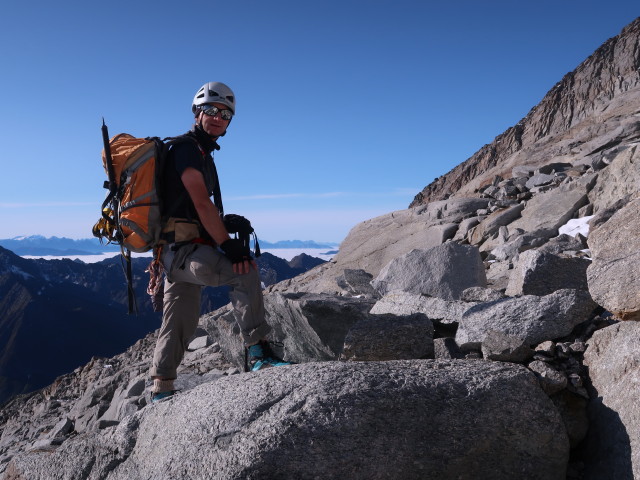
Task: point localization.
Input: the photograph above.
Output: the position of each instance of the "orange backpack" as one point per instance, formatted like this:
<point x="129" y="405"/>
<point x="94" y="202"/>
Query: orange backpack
<point x="131" y="214"/>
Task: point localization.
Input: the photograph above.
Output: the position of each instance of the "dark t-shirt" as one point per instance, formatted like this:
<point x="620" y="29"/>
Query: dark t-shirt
<point x="182" y="155"/>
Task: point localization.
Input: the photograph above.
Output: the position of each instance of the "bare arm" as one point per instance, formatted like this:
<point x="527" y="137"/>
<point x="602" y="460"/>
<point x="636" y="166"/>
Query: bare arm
<point x="207" y="212"/>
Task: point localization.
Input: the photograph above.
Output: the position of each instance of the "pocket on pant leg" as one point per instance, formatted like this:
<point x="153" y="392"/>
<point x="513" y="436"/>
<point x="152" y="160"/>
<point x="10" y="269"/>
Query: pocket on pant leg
<point x="203" y="264"/>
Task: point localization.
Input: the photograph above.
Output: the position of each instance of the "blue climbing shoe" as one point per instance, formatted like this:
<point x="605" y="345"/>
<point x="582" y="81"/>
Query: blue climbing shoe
<point x="260" y="356"/>
<point x="160" y="396"/>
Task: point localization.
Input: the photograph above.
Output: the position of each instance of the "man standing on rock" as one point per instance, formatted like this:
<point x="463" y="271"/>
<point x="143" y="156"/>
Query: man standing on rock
<point x="199" y="251"/>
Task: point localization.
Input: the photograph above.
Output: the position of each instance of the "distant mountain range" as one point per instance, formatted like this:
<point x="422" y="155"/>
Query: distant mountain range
<point x="40" y="245"/>
<point x="297" y="244"/>
<point x="57" y="314"/>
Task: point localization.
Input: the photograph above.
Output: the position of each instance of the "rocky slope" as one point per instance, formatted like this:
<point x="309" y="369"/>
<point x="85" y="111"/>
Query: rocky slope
<point x="481" y="335"/>
<point x="57" y="314"/>
<point x="595" y="101"/>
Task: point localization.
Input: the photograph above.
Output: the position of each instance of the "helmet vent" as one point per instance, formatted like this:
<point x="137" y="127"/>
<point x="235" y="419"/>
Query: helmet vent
<point x="214" y="92"/>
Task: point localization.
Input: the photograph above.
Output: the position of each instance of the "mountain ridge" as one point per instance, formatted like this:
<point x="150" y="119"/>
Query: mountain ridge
<point x="589" y="99"/>
<point x="58" y="246"/>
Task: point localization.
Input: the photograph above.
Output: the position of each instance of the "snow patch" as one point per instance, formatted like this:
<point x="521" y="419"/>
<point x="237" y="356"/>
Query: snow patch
<point x="576" y="226"/>
<point x="20" y="272"/>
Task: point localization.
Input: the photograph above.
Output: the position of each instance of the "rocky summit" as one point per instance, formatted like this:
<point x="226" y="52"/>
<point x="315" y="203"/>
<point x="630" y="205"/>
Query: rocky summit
<point x="489" y="331"/>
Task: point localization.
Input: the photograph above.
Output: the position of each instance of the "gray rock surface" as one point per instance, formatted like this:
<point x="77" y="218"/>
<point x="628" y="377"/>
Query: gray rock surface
<point x="325" y="421"/>
<point x="465" y="227"/>
<point x="94" y="397"/>
<point x="490" y="225"/>
<point x="522" y="171"/>
<point x="403" y="303"/>
<point x="505" y="348"/>
<point x="510" y="249"/>
<point x="614" y="281"/>
<point x="498" y="274"/>
<point x="369" y="246"/>
<point x="605" y="214"/>
<point x="200" y="342"/>
<point x="619" y="179"/>
<point x="480" y="294"/>
<point x="372" y="244"/>
<point x="551" y="380"/>
<point x="547" y="347"/>
<point x="545" y="213"/>
<point x="62" y="428"/>
<point x="563" y="243"/>
<point x="356" y="282"/>
<point x="389" y="337"/>
<point x="539" y="273"/>
<point x="446" y="349"/>
<point x="444" y="271"/>
<point x="438" y="234"/>
<point x="539" y="180"/>
<point x="453" y="210"/>
<point x="554" y="167"/>
<point x="613" y="359"/>
<point x="125" y="398"/>
<point x="535" y="319"/>
<point x="311" y="327"/>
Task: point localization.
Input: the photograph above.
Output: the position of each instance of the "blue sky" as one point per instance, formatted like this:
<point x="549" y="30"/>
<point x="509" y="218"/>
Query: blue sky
<point x="346" y="109"/>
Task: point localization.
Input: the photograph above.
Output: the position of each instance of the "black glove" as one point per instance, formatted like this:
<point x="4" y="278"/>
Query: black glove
<point x="235" y="251"/>
<point x="237" y="224"/>
<point x="241" y="227"/>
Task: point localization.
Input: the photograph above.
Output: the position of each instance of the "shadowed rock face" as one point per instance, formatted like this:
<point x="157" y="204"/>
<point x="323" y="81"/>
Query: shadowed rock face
<point x="540" y="273"/>
<point x="613" y="359"/>
<point x="373" y="420"/>
<point x="586" y="111"/>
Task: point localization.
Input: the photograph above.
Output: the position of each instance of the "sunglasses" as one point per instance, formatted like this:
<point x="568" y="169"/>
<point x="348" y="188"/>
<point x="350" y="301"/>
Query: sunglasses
<point x="213" y="111"/>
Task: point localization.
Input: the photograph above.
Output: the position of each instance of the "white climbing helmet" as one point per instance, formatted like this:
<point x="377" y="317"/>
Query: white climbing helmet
<point x="214" y="92"/>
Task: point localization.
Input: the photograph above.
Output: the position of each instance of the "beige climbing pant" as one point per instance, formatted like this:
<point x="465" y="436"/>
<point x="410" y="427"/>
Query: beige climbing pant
<point x="188" y="269"/>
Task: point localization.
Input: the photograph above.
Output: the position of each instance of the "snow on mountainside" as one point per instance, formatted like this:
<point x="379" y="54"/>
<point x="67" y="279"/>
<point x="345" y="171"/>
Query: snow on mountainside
<point x="40" y="245"/>
<point x="297" y="244"/>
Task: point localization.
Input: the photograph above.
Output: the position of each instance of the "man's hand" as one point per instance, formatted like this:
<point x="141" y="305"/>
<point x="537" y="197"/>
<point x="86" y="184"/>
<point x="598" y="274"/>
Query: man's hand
<point x="235" y="251"/>
<point x="244" y="267"/>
